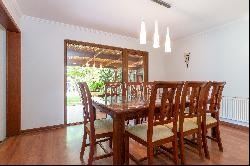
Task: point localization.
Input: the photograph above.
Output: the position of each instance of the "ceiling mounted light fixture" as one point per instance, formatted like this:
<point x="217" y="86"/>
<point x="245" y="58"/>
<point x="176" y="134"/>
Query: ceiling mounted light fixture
<point x="156" y="36"/>
<point x="168" y="42"/>
<point x="143" y="34"/>
<point x="162" y="3"/>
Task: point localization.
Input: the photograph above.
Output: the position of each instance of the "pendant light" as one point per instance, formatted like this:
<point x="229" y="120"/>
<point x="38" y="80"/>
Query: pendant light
<point x="143" y="34"/>
<point x="156" y="36"/>
<point x="168" y="42"/>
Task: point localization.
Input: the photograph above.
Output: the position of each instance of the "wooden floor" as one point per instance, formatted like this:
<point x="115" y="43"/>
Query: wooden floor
<point x="62" y="146"/>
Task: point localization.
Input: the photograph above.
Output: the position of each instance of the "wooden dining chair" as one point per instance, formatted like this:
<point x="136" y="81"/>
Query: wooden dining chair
<point x="147" y="89"/>
<point x="211" y="116"/>
<point x="112" y="89"/>
<point x="155" y="133"/>
<point x="95" y="129"/>
<point x="190" y="116"/>
<point x="133" y="90"/>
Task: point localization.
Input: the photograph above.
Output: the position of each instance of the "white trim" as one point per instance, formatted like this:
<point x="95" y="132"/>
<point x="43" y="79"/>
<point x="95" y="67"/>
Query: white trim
<point x="76" y="27"/>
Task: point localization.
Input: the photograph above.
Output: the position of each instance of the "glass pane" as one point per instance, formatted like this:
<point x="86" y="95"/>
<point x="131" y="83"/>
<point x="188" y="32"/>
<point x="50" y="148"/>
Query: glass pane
<point x="94" y="65"/>
<point x="135" y="68"/>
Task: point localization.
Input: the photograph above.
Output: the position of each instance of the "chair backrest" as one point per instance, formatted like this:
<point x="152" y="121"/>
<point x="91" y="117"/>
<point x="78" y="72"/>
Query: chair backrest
<point x="216" y="96"/>
<point x="133" y="89"/>
<point x="169" y="105"/>
<point x="113" y="89"/>
<point x="88" y="109"/>
<point x="147" y="89"/>
<point x="190" y="98"/>
<point x="193" y="99"/>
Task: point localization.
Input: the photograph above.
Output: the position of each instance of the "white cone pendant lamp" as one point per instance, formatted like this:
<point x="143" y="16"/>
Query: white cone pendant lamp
<point x="168" y="42"/>
<point x="143" y="34"/>
<point x="156" y="36"/>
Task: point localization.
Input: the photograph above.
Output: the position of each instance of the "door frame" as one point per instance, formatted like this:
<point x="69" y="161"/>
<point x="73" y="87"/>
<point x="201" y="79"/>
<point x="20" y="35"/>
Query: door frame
<point x="13" y="72"/>
<point x="125" y="53"/>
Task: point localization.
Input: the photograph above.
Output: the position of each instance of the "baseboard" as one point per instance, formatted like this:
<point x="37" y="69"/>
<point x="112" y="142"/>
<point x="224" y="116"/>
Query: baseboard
<point x="236" y="126"/>
<point x="28" y="131"/>
<point x="42" y="129"/>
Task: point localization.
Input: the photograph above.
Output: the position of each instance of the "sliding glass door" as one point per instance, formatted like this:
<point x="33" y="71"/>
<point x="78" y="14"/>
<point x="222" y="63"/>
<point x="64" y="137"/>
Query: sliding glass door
<point x="96" y="65"/>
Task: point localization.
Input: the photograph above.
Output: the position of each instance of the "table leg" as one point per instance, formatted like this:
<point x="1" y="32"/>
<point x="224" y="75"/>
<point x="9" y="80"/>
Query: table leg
<point x="118" y="140"/>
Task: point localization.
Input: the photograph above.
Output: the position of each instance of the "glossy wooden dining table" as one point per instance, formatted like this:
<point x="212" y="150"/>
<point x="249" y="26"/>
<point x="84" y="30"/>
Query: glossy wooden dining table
<point x="121" y="109"/>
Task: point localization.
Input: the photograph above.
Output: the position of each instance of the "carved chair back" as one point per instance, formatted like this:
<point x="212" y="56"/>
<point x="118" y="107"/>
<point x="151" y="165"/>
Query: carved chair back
<point x="169" y="105"/>
<point x="216" y="97"/>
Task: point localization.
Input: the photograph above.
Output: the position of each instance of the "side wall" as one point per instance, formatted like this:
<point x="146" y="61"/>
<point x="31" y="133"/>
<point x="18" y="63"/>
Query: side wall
<point x="222" y="54"/>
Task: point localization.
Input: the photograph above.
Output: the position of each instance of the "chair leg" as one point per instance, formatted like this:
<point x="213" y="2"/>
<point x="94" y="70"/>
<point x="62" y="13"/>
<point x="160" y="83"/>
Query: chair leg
<point x="111" y="142"/>
<point x="91" y="152"/>
<point x="150" y="153"/>
<point x="175" y="151"/>
<point x="217" y="129"/>
<point x="182" y="149"/>
<point x="199" y="142"/>
<point x="83" y="144"/>
<point x="126" y="141"/>
<point x="204" y="141"/>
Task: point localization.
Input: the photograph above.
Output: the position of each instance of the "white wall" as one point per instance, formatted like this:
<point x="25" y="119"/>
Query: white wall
<point x="43" y="66"/>
<point x="221" y="54"/>
<point x="2" y="83"/>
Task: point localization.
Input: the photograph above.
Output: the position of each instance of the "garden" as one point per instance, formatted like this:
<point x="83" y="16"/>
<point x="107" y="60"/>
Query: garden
<point x="93" y="76"/>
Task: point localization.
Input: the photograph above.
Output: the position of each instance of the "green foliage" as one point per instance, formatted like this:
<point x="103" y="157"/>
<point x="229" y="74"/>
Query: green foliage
<point x="94" y="77"/>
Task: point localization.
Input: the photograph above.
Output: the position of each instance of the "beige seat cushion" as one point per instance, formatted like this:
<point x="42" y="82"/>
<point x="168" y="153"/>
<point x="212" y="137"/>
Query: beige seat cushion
<point x="159" y="132"/>
<point x="102" y="126"/>
<point x="209" y="120"/>
<point x="189" y="124"/>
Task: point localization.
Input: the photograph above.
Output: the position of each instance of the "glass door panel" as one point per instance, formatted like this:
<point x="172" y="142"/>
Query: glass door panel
<point x="136" y="68"/>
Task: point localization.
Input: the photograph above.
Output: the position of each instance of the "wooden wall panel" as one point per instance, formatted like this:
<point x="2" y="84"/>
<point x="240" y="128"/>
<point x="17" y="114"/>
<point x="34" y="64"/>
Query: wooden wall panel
<point x="13" y="87"/>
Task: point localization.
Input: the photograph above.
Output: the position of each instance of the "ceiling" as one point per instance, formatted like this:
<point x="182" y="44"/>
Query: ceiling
<point x="123" y="17"/>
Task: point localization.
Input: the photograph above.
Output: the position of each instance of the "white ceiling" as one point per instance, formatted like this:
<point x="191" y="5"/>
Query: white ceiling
<point x="186" y="17"/>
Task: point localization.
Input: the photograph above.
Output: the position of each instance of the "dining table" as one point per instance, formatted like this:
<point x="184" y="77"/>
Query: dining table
<point x="120" y="109"/>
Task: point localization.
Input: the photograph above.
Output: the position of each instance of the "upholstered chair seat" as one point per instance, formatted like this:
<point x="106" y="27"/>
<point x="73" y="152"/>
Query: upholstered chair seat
<point x="209" y="120"/>
<point x="102" y="126"/>
<point x="140" y="131"/>
<point x="189" y="124"/>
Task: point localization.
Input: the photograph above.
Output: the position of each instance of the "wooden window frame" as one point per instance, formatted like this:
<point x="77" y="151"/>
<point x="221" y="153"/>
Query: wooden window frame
<point x="125" y="53"/>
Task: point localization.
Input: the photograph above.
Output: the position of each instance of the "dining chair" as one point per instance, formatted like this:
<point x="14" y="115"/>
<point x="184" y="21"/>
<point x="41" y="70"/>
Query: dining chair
<point x="147" y="89"/>
<point x="211" y="116"/>
<point x="154" y="133"/>
<point x="133" y="90"/>
<point x="98" y="130"/>
<point x="190" y="116"/>
<point x="112" y="89"/>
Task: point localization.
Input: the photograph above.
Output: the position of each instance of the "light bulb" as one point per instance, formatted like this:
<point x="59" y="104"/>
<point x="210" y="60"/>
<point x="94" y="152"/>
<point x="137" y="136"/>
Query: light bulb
<point x="143" y="34"/>
<point x="168" y="42"/>
<point x="156" y="36"/>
